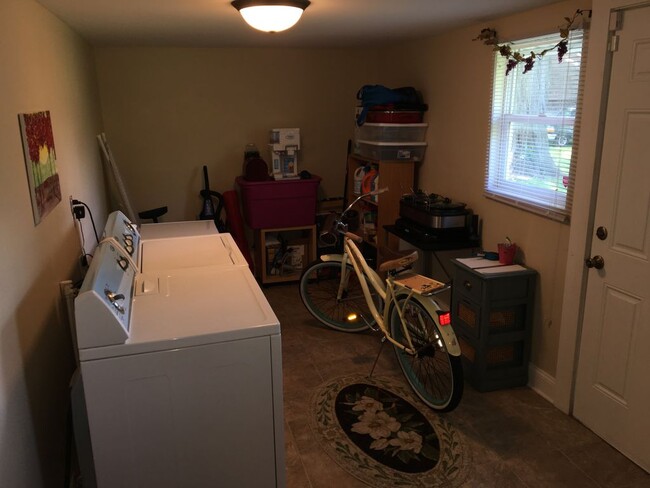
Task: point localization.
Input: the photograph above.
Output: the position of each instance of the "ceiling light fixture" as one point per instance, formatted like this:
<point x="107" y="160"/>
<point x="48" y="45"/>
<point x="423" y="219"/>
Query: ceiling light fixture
<point x="271" y="15"/>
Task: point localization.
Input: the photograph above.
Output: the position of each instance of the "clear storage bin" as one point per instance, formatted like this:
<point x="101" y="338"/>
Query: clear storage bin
<point x="390" y="151"/>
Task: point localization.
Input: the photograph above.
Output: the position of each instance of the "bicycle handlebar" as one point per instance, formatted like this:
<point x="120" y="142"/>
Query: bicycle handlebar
<point x="362" y="196"/>
<point x="378" y="191"/>
<point x="342" y="228"/>
<point x="353" y="236"/>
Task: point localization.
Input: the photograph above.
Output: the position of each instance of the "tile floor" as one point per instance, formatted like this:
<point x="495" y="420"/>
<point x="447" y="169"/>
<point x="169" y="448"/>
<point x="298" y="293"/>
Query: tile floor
<point x="515" y="437"/>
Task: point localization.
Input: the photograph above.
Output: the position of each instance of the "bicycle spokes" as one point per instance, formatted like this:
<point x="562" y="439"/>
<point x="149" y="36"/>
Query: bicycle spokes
<point x="434" y="375"/>
<point x="327" y="300"/>
<point x="428" y="350"/>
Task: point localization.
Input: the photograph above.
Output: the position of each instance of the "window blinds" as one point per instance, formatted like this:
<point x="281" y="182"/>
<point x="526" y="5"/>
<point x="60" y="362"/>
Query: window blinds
<point x="534" y="128"/>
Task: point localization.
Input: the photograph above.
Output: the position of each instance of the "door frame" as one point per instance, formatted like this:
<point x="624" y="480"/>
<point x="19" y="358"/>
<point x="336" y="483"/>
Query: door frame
<point x="585" y="196"/>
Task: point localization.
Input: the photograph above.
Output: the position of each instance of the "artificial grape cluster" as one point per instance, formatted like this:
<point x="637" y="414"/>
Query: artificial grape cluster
<point x="490" y="38"/>
<point x="562" y="48"/>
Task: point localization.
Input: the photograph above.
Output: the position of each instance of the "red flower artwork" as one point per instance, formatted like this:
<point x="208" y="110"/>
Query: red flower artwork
<point x="38" y="127"/>
<point x="40" y="160"/>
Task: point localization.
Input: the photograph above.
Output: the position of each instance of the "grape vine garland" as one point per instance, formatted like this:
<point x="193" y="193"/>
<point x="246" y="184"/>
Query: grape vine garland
<point x="490" y="38"/>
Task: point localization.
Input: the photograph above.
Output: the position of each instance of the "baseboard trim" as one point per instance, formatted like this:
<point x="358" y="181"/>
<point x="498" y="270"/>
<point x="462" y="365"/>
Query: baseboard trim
<point x="541" y="382"/>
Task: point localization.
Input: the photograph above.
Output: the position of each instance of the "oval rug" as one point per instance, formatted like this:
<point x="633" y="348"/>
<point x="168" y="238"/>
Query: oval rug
<point x="377" y="431"/>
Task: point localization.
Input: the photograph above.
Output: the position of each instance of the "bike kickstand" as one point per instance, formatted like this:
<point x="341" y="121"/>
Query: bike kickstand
<point x="381" y="346"/>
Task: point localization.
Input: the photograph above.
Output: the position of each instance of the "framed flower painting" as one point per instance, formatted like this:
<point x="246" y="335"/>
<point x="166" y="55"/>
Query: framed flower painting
<point x="40" y="162"/>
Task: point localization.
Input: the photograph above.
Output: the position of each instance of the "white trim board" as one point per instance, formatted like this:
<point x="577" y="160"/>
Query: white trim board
<point x="541" y="383"/>
<point x="588" y="168"/>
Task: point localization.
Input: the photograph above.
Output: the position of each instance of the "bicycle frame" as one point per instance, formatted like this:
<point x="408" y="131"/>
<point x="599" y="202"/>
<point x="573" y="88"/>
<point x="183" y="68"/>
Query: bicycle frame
<point x="389" y="293"/>
<point x="408" y="315"/>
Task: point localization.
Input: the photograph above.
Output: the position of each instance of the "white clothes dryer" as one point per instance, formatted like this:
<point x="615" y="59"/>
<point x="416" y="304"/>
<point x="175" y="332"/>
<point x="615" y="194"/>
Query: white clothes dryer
<point x="181" y="367"/>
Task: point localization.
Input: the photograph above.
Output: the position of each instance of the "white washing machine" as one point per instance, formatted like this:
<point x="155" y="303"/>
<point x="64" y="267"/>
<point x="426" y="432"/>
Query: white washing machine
<point x="178" y="245"/>
<point x="188" y="228"/>
<point x="181" y="368"/>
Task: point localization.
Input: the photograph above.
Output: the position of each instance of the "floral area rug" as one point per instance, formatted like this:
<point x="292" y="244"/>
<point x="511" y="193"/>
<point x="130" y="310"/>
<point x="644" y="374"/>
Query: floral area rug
<point x="378" y="432"/>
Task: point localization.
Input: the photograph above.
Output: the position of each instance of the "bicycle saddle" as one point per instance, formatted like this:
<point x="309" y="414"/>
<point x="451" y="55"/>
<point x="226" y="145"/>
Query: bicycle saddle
<point x="405" y="259"/>
<point x="154" y="214"/>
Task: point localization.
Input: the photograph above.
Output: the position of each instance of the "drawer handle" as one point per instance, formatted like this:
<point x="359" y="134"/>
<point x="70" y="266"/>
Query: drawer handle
<point x="467" y="285"/>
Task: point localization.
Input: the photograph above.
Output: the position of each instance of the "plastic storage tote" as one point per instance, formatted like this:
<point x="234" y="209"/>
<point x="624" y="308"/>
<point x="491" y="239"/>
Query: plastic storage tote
<point x="279" y="203"/>
<point x="390" y="151"/>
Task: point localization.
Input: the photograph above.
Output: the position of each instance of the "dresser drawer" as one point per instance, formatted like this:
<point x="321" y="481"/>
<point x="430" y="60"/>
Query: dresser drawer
<point x="510" y="287"/>
<point x="466" y="316"/>
<point x="468" y="285"/>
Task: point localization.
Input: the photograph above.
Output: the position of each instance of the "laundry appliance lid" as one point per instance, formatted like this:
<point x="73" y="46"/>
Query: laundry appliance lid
<point x="164" y="230"/>
<point x="187" y="308"/>
<point x="216" y="250"/>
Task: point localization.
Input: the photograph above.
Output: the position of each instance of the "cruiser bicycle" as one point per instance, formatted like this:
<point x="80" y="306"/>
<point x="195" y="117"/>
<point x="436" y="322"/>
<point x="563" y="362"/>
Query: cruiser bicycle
<point x="343" y="292"/>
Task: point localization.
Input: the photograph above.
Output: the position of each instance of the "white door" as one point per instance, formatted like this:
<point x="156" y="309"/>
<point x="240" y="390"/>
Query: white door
<point x="612" y="395"/>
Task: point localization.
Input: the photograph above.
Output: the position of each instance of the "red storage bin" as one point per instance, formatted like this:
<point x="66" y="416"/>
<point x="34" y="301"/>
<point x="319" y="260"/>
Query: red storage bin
<point x="280" y="203"/>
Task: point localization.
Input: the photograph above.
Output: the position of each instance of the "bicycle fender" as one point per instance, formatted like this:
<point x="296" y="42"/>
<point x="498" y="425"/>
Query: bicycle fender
<point x="448" y="334"/>
<point x="451" y="341"/>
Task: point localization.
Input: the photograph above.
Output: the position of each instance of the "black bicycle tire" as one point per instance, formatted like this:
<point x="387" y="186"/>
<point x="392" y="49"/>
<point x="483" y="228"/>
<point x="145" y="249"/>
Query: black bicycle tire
<point x="453" y="392"/>
<point x="325" y="307"/>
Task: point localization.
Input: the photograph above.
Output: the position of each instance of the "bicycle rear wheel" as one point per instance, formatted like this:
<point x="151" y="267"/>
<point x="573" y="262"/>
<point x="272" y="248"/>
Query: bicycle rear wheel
<point x="319" y="285"/>
<point x="435" y="375"/>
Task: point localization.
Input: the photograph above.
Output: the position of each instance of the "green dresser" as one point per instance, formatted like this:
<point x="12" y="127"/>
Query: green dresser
<point x="492" y="314"/>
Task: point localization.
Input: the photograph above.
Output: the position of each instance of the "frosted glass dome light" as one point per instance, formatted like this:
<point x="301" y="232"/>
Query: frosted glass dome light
<point x="271" y="15"/>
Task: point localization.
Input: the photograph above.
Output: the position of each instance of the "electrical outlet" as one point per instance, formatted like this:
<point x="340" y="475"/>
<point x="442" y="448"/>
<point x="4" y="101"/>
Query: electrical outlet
<point x="65" y="286"/>
<point x="71" y="206"/>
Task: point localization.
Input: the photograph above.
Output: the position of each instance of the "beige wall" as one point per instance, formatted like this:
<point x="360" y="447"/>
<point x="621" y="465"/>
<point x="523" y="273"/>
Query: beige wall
<point x="169" y="111"/>
<point x="45" y="66"/>
<point x="455" y="75"/>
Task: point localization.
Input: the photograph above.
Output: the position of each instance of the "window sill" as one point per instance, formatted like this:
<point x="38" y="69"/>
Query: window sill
<point x="556" y="215"/>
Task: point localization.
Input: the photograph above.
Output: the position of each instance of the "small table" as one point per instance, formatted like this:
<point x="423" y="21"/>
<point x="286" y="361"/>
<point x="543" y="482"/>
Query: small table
<point x="430" y="249"/>
<point x="492" y="315"/>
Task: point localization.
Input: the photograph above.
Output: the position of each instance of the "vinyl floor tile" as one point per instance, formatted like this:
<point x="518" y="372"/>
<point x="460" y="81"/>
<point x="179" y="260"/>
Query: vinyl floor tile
<point x="514" y="437"/>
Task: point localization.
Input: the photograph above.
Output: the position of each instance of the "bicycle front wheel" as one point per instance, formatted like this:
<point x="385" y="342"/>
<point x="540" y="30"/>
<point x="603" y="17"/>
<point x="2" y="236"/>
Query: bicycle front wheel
<point x="319" y="286"/>
<point x="435" y="375"/>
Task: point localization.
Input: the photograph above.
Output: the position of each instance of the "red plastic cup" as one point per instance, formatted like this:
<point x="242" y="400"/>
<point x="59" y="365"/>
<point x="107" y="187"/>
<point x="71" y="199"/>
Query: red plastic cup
<point x="507" y="252"/>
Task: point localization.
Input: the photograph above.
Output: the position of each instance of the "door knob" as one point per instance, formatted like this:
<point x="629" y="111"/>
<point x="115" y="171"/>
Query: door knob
<point x="596" y="262"/>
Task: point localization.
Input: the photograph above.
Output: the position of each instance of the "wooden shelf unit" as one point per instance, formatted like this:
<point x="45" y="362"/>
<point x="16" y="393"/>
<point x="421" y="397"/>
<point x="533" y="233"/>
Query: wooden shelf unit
<point x="398" y="176"/>
<point x="303" y="238"/>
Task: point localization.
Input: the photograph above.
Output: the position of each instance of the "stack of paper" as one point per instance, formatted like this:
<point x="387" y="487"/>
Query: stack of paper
<point x="487" y="266"/>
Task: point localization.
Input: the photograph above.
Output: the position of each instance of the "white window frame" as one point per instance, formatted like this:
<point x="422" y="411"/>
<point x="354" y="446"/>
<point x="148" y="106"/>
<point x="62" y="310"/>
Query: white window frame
<point x="499" y="183"/>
